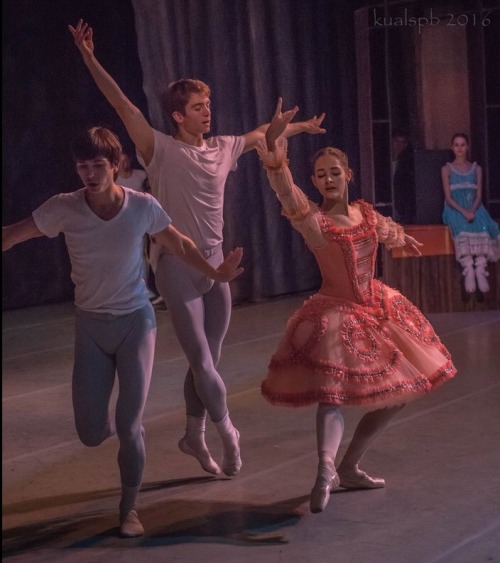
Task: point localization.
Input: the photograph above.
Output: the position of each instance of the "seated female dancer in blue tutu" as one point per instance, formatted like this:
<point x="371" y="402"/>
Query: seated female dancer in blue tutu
<point x="475" y="235"/>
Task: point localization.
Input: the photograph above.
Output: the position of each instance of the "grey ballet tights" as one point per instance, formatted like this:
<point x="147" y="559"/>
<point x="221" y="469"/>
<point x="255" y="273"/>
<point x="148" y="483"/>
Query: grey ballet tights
<point x="200" y="310"/>
<point x="106" y="344"/>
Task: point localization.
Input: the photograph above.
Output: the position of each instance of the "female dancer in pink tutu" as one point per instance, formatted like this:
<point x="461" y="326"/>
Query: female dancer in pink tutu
<point x="356" y="341"/>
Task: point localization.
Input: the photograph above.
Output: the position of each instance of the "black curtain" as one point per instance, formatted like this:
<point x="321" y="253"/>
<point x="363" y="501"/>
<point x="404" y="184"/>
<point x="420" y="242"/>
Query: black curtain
<point x="47" y="96"/>
<point x="248" y="51"/>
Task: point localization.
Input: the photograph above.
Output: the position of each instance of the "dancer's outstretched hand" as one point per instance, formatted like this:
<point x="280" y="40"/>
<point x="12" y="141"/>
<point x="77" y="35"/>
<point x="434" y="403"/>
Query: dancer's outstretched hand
<point x="412" y="246"/>
<point x="278" y="124"/>
<point x="313" y="125"/>
<point x="230" y="268"/>
<point x="83" y="36"/>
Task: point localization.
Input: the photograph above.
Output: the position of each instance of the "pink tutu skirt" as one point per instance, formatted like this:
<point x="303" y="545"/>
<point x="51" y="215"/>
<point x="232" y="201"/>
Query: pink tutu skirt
<point x="344" y="353"/>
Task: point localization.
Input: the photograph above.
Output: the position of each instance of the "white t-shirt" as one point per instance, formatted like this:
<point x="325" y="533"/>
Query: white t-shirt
<point x="106" y="256"/>
<point x="189" y="183"/>
<point x="135" y="181"/>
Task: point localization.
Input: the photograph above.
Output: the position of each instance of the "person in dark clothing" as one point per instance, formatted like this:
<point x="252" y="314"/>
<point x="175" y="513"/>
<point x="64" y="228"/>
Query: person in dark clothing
<point x="403" y="177"/>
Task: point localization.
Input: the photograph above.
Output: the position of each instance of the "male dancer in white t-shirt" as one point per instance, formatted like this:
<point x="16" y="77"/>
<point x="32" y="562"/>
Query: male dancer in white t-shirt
<point x="104" y="225"/>
<point x="187" y="174"/>
<point x="136" y="179"/>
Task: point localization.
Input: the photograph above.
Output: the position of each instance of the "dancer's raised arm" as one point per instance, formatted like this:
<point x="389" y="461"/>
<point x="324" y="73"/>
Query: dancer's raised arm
<point x="137" y="126"/>
<point x="311" y="126"/>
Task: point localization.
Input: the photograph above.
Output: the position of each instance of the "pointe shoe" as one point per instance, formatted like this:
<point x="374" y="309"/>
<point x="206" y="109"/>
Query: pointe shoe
<point x="232" y="464"/>
<point x="320" y="494"/>
<point x="130" y="525"/>
<point x="354" y="478"/>
<point x="204" y="457"/>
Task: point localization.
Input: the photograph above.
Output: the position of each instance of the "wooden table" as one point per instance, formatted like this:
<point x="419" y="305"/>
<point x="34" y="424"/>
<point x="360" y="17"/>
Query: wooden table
<point x="433" y="282"/>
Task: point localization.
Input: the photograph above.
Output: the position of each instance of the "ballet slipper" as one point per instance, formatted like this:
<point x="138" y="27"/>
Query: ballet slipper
<point x="320" y="494"/>
<point x="231" y="459"/>
<point x="130" y="525"/>
<point x="193" y="444"/>
<point x="326" y="481"/>
<point x="202" y="455"/>
<point x="354" y="478"/>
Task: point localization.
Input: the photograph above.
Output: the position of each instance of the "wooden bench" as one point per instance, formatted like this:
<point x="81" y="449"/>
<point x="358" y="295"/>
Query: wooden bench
<point x="433" y="282"/>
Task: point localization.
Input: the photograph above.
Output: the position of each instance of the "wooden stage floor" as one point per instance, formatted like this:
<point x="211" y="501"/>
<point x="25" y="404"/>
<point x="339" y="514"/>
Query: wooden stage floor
<point x="440" y="458"/>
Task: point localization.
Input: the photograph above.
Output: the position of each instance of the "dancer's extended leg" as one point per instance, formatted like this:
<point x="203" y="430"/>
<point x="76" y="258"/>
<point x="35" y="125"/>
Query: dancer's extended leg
<point x="200" y="313"/>
<point x="134" y="356"/>
<point x="105" y="343"/>
<point x="367" y="430"/>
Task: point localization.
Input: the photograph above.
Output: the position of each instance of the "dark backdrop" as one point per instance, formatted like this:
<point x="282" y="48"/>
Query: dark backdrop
<point x="249" y="51"/>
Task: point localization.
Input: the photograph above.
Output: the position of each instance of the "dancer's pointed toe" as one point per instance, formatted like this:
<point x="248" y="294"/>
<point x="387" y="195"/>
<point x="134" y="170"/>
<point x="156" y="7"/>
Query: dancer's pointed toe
<point x="130" y="525"/>
<point x="231" y="463"/>
<point x="202" y="455"/>
<point x="320" y="494"/>
<point x="354" y="478"/>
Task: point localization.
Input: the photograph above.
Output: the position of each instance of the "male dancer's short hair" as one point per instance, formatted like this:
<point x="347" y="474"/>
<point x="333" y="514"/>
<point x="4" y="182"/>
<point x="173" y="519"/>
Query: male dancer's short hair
<point x="179" y="92"/>
<point x="95" y="142"/>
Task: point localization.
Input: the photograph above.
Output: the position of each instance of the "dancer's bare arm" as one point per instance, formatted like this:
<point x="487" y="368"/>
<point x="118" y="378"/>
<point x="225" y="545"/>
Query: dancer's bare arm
<point x="137" y="126"/>
<point x="19" y="232"/>
<point x="183" y="247"/>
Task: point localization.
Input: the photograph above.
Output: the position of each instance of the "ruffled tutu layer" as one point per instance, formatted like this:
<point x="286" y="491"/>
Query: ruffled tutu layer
<point x="477" y="244"/>
<point x="479" y="237"/>
<point x="339" y="352"/>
